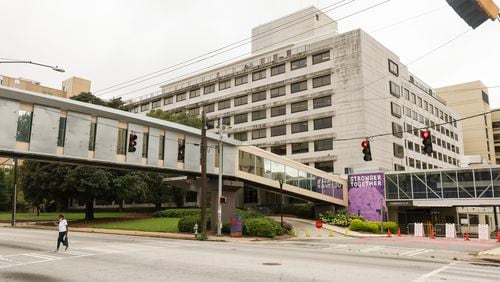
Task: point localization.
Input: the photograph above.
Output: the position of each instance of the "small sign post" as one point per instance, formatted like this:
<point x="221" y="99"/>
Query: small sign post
<point x="319" y="225"/>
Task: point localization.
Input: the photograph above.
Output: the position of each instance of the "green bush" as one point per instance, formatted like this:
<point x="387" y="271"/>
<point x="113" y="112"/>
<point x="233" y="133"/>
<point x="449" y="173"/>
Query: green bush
<point x="371" y="226"/>
<point x="301" y="211"/>
<point x="247" y="214"/>
<point x="178" y="213"/>
<point x="262" y="227"/>
<point x="186" y="224"/>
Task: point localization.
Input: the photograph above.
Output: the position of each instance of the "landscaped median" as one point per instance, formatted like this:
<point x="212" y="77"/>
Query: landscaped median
<point x="147" y="224"/>
<point x="357" y="223"/>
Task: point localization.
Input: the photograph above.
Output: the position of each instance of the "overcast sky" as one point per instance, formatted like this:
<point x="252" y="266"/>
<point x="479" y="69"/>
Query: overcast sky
<point x="112" y="41"/>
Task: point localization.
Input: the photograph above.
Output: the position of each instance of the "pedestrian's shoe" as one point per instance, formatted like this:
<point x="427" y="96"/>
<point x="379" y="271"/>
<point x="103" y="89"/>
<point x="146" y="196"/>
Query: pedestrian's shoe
<point x="66" y="248"/>
<point x="56" y="251"/>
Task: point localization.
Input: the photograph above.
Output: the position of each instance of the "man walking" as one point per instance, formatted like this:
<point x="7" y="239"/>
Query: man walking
<point x="63" y="233"/>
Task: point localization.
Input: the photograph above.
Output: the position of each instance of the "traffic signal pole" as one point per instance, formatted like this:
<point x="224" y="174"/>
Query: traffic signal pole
<point x="203" y="188"/>
<point x="219" y="190"/>
<point x="14" y="196"/>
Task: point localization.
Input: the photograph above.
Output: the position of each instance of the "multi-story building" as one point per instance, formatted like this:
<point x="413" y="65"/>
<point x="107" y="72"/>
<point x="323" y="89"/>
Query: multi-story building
<point x="70" y="87"/>
<point x="471" y="99"/>
<point x="315" y="99"/>
<point x="495" y="124"/>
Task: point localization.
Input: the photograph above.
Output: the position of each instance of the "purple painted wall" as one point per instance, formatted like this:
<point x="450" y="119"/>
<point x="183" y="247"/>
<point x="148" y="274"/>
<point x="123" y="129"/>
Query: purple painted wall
<point x="366" y="195"/>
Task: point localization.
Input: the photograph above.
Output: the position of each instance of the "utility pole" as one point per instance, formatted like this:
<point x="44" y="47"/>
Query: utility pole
<point x="14" y="196"/>
<point x="219" y="205"/>
<point x="203" y="152"/>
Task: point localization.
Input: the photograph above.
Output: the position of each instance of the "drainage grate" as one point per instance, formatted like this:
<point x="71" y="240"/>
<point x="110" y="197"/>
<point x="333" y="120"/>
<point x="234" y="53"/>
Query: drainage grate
<point x="271" y="263"/>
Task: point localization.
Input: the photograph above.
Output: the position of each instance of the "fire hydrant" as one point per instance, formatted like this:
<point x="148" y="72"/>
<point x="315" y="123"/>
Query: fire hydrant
<point x="195" y="228"/>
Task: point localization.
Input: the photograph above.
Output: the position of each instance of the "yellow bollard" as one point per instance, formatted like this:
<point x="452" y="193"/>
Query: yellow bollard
<point x="319" y="232"/>
<point x="331" y="233"/>
<point x="346" y="232"/>
<point x="308" y="233"/>
<point x="294" y="232"/>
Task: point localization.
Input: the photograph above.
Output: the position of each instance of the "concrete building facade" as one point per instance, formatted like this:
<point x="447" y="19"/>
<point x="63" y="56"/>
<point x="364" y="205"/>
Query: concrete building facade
<point x="70" y="87"/>
<point x="315" y="99"/>
<point x="470" y="99"/>
<point x="495" y="124"/>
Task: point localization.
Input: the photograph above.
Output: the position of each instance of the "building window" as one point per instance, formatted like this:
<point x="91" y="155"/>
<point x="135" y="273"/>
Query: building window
<point x="258" y="75"/>
<point x="278" y="70"/>
<point x="278" y="91"/>
<point x="322" y="123"/>
<point x="210" y="124"/>
<point x="298" y="86"/>
<point x="278" y="130"/>
<point x="398" y="167"/>
<point x="226" y="104"/>
<point x="299" y="107"/>
<point x="396" y="110"/>
<point x="24" y="122"/>
<point x="145" y="144"/>
<point x="250" y="195"/>
<point x="61" y="136"/>
<point x="168" y="100"/>
<point x="121" y="146"/>
<point x="156" y="104"/>
<point x="181" y="150"/>
<point x="258" y="96"/>
<point x="279" y="150"/>
<point x="322" y="102"/>
<point x="92" y="135"/>
<point x="278" y="111"/>
<point x="300" y="127"/>
<point x="226" y="121"/>
<point x="194" y="93"/>
<point x="300" y="148"/>
<point x="241" y="118"/>
<point x="241" y="136"/>
<point x="180" y="97"/>
<point x="225" y="84"/>
<point x="321" y="81"/>
<point x="397" y="130"/>
<point x="209" y="89"/>
<point x="241" y="100"/>
<point x="194" y="111"/>
<point x="258" y="115"/>
<point x="258" y="134"/>
<point x="413" y="98"/>
<point x="298" y="64"/>
<point x="486" y="99"/>
<point x="419" y="102"/>
<point x="240" y="80"/>
<point x="398" y="150"/>
<point x="209" y="108"/>
<point x="393" y="68"/>
<point x="161" y="148"/>
<point x="321" y="57"/>
<point x="406" y="94"/>
<point x="323" y="145"/>
<point x="145" y="107"/>
<point x="394" y="89"/>
<point x="326" y="166"/>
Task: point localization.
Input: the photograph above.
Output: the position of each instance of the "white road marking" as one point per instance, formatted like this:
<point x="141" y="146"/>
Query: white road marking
<point x="371" y="249"/>
<point x="419" y="253"/>
<point x="41" y="256"/>
<point x="410" y="252"/>
<point x="425" y="276"/>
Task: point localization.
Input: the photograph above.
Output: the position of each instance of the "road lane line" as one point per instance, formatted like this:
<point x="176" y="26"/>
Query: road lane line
<point x="45" y="257"/>
<point x="430" y="274"/>
<point x="419" y="253"/>
<point x="410" y="252"/>
<point x="372" y="249"/>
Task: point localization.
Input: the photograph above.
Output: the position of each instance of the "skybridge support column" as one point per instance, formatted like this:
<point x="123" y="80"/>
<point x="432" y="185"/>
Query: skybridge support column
<point x="230" y="192"/>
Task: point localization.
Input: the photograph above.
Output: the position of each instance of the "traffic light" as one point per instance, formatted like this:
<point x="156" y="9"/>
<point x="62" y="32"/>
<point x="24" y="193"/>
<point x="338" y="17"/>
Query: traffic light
<point x="367" y="152"/>
<point x="181" y="150"/>
<point x="426" y="141"/>
<point x="132" y="142"/>
<point x="475" y="12"/>
<point x="223" y="199"/>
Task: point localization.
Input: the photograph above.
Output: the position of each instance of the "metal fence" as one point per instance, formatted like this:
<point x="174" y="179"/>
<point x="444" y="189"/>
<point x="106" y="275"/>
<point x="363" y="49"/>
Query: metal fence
<point x="440" y="230"/>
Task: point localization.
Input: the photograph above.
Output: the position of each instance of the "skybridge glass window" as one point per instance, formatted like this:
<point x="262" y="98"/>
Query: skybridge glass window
<point x="24" y="121"/>
<point x="61" y="136"/>
<point x="92" y="135"/>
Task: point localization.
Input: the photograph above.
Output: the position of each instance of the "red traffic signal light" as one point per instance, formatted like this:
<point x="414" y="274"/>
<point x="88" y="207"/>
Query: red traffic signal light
<point x="426" y="141"/>
<point x="223" y="199"/>
<point x="366" y="151"/>
<point x="132" y="142"/>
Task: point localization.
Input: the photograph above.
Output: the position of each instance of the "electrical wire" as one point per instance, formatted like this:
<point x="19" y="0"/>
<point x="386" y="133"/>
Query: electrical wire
<point x="220" y="50"/>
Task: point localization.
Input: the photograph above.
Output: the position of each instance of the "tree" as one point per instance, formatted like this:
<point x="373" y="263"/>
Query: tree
<point x="4" y="193"/>
<point x="88" y="97"/>
<point x="33" y="184"/>
<point x="88" y="183"/>
<point x="126" y="186"/>
<point x="182" y="118"/>
<point x="157" y="191"/>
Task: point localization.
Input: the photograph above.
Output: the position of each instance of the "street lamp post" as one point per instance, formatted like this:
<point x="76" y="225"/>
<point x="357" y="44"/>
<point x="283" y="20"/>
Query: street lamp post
<point x="55" y="68"/>
<point x="219" y="190"/>
<point x="281" y="200"/>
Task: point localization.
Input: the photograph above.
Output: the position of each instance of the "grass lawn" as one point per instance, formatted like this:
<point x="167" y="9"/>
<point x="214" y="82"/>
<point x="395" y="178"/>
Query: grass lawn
<point x="149" y="224"/>
<point x="55" y="215"/>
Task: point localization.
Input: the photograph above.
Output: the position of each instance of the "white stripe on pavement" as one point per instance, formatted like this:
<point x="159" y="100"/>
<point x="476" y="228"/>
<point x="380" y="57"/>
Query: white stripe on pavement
<point x="40" y="256"/>
<point x="410" y="252"/>
<point x="419" y="253"/>
<point x="425" y="276"/>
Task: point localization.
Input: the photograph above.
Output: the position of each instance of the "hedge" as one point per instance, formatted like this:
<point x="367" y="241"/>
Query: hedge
<point x="186" y="224"/>
<point x="371" y="226"/>
<point x="262" y="227"/>
<point x="178" y="213"/>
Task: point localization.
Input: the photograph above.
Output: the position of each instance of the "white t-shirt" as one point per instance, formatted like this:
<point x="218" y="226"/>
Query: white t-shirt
<point x="63" y="225"/>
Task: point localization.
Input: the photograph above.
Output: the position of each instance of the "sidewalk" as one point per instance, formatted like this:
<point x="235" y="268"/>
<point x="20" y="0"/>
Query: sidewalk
<point x="490" y="255"/>
<point x="166" y="235"/>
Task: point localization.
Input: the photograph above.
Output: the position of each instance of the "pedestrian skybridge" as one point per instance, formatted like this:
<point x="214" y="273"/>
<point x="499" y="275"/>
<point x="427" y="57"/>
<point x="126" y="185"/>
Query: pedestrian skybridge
<point x="42" y="127"/>
<point x="448" y="187"/>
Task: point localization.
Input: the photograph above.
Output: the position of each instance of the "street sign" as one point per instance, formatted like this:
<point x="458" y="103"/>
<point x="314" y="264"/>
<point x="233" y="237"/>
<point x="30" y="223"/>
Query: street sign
<point x="484" y="232"/>
<point x="319" y="224"/>
<point x="236" y="226"/>
<point x="450" y="230"/>
<point x="419" y="230"/>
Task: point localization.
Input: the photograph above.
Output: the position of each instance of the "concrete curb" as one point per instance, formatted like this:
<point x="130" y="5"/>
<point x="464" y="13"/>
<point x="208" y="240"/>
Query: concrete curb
<point x="492" y="255"/>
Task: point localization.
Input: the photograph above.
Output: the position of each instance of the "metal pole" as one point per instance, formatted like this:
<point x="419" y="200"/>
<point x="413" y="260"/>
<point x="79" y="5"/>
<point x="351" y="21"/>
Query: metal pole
<point x="203" y="149"/>
<point x="281" y="201"/>
<point x="219" y="205"/>
<point x="14" y="196"/>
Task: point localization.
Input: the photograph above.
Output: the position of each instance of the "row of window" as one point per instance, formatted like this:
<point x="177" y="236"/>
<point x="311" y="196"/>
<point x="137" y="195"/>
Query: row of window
<point x="257" y="75"/>
<point x="302" y="126"/>
<point x="418" y="164"/>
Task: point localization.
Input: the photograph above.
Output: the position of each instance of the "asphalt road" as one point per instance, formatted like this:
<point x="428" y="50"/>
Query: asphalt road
<point x="27" y="255"/>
